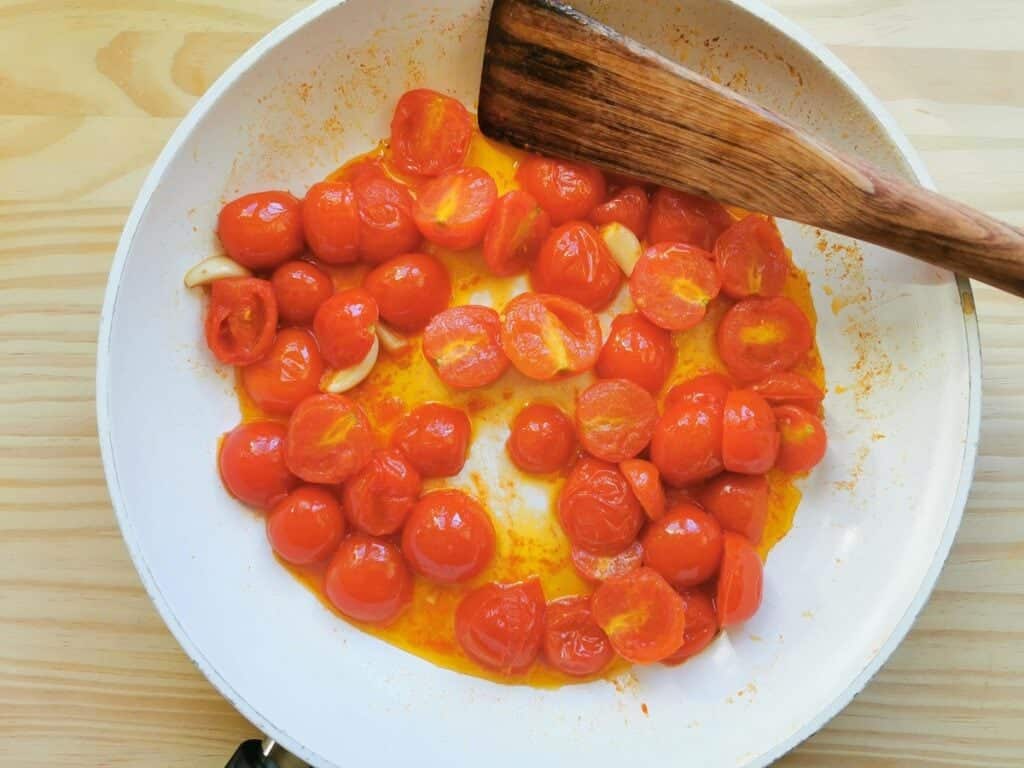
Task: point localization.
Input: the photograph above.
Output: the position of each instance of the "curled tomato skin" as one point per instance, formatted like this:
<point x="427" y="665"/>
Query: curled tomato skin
<point x="501" y="626"/>
<point x="803" y="439"/>
<point x="435" y="439"/>
<point x="684" y="546"/>
<point x="645" y="482"/>
<point x="564" y="189"/>
<point x="679" y="217"/>
<point x="548" y="337"/>
<point x="788" y="388"/>
<point x="241" y="321"/>
<point x="573" y="642"/>
<point x="740" y="582"/>
<point x="672" y="285"/>
<point x="454" y="209"/>
<point x="615" y="419"/>
<point x="751" y="259"/>
<point x="750" y="438"/>
<point x="574" y="262"/>
<point x="330" y="215"/>
<point x="541" y="439"/>
<point x="368" y="580"/>
<point x="629" y="207"/>
<point x="346" y="326"/>
<point x="638" y="350"/>
<point x="287" y="375"/>
<point x="701" y="626"/>
<point x="597" y="568"/>
<point x="463" y="345"/>
<point x="261" y="230"/>
<point x="448" y="537"/>
<point x="515" y="233"/>
<point x="643" y="617"/>
<point x="379" y="497"/>
<point x="329" y="439"/>
<point x="430" y="132"/>
<point x="759" y="337"/>
<point x="597" y="509"/>
<point x="300" y="288"/>
<point x="739" y="503"/>
<point x="252" y="464"/>
<point x="687" y="443"/>
<point x="409" y="290"/>
<point x="306" y="525"/>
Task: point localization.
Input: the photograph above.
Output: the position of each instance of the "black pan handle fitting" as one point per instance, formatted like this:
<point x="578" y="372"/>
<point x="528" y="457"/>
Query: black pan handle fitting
<point x="263" y="754"/>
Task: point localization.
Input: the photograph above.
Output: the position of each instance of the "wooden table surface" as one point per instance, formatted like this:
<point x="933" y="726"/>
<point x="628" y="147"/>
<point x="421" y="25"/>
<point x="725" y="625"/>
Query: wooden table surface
<point x="89" y="92"/>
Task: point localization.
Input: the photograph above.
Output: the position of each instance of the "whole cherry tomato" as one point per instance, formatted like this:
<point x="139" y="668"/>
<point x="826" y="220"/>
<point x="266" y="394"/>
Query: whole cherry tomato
<point x="573" y="642"/>
<point x="346" y="326"/>
<point x="629" y="207"/>
<point x="329" y="439"/>
<point x="645" y="482"/>
<point x="386" y="225"/>
<point x="287" y="375"/>
<point x="379" y="497"/>
<point x="641" y="614"/>
<point x="615" y="419"/>
<point x="367" y="580"/>
<point x="564" y="189"/>
<point x="541" y="439"/>
<point x="409" y="290"/>
<point x="684" y="546"/>
<point x="501" y="626"/>
<point x="463" y="344"/>
<point x="300" y="288"/>
<point x="740" y="580"/>
<point x="306" y="525"/>
<point x="760" y="337"/>
<point x="597" y="509"/>
<point x="750" y="439"/>
<point x="515" y="233"/>
<point x="603" y="567"/>
<point x="252" y="464"/>
<point x="261" y="230"/>
<point x="574" y="262"/>
<point x="677" y="217"/>
<point x="453" y="210"/>
<point x="751" y="259"/>
<point x="241" y="320"/>
<point x="701" y="626"/>
<point x="687" y="443"/>
<point x="435" y="439"/>
<point x="672" y="285"/>
<point x="638" y="350"/>
<point x="448" y="537"/>
<point x="547" y="336"/>
<point x="430" y="132"/>
<point x="705" y="388"/>
<point x="739" y="503"/>
<point x="330" y="214"/>
<point x="803" y="439"/>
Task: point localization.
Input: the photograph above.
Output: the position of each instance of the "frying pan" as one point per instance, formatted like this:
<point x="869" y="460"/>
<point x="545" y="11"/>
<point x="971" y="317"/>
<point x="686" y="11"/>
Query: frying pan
<point x="899" y="341"/>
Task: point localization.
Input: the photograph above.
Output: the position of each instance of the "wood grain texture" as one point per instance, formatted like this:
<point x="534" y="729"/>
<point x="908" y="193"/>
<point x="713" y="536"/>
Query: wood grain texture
<point x="89" y="675"/>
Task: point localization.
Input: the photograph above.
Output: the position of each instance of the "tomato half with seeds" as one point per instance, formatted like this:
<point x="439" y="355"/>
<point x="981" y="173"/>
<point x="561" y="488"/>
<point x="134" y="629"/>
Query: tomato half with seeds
<point x="435" y="439"/>
<point x="329" y="439"/>
<point x="379" y="497"/>
<point x="750" y="438"/>
<point x="515" y="233"/>
<point x="564" y="189"/>
<point x="346" y="326"/>
<point x="638" y="350"/>
<point x="386" y="224"/>
<point x="574" y="262"/>
<point x="629" y="207"/>
<point x="448" y="538"/>
<point x="368" y="580"/>
<point x="615" y="419"/>
<point x="306" y="525"/>
<point x="252" y="464"/>
<point x="687" y="443"/>
<point x="672" y="285"/>
<point x="463" y="345"/>
<point x="803" y="439"/>
<point x="739" y="503"/>
<point x="678" y="217"/>
<point x="788" y="388"/>
<point x="330" y="215"/>
<point x="261" y="230"/>
<point x="740" y="580"/>
<point x="430" y="132"/>
<point x="599" y="568"/>
<point x="645" y="482"/>
<point x="409" y="290"/>
<point x="300" y="288"/>
<point x="759" y="337"/>
<point x="641" y="614"/>
<point x="597" y="509"/>
<point x="573" y="642"/>
<point x="541" y="439"/>
<point x="453" y="210"/>
<point x="241" y="321"/>
<point x="751" y="259"/>
<point x="701" y="626"/>
<point x="547" y="336"/>
<point x="706" y="387"/>
<point x="501" y="626"/>
<point x="684" y="546"/>
<point x="288" y="374"/>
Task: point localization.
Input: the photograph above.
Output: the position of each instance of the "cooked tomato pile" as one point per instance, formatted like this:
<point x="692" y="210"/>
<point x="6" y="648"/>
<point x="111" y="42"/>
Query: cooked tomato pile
<point x="679" y="384"/>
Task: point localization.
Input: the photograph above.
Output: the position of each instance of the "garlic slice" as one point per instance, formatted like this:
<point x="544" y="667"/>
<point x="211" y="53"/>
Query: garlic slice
<point x="337" y="382"/>
<point x="213" y="269"/>
<point x="392" y="341"/>
<point x="623" y="245"/>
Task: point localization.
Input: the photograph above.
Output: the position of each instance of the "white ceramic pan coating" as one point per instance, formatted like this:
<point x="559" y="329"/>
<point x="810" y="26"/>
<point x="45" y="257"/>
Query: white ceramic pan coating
<point x="898" y="338"/>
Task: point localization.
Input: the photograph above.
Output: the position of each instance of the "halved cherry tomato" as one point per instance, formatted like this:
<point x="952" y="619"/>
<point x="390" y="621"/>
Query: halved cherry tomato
<point x="707" y="387"/>
<point x="541" y="439"/>
<point x="564" y="189"/>
<point x="573" y="642"/>
<point x="750" y="439"/>
<point x="547" y="336"/>
<point x="641" y="614"/>
<point x="597" y="509"/>
<point x="759" y="337"/>
<point x="261" y="230"/>
<point x="306" y="525"/>
<point x="751" y="259"/>
<point x="409" y="290"/>
<point x="602" y="567"/>
<point x="448" y="537"/>
<point x="684" y="546"/>
<point x="740" y="580"/>
<point x="638" y="350"/>
<point x="803" y="439"/>
<point x="574" y="262"/>
<point x="430" y="132"/>
<point x="739" y="503"/>
<point x="672" y="284"/>
<point x="241" y="320"/>
<point x="379" y="497"/>
<point x="453" y="210"/>
<point x="345" y="326"/>
<point x="287" y="375"/>
<point x="645" y="482"/>
<point x="629" y="207"/>
<point x="329" y="439"/>
<point x="386" y="225"/>
<point x="788" y="388"/>
<point x="501" y="626"/>
<point x="701" y="626"/>
<point x="517" y="228"/>
<point x="687" y="443"/>
<point x="678" y="217"/>
<point x="300" y="288"/>
<point x="368" y="580"/>
<point x="615" y="419"/>
<point x="252" y="465"/>
<point x="463" y="344"/>
<point x="330" y="215"/>
<point x="435" y="439"/>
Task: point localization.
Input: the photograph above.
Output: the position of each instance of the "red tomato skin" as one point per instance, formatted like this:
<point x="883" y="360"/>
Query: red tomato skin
<point x="705" y="388"/>
<point x="615" y="419"/>
<point x="541" y="439"/>
<point x="463" y="346"/>
<point x="430" y="132"/>
<point x="740" y="581"/>
<point x="629" y="207"/>
<point x="752" y="360"/>
<point x="261" y="230"/>
<point x="751" y="259"/>
<point x="368" y="580"/>
<point x="750" y="438"/>
<point x="241" y="307"/>
<point x="329" y="439"/>
<point x="252" y="464"/>
<point x="687" y="443"/>
<point x="597" y="509"/>
<point x="386" y="224"/>
<point x="701" y="626"/>
<point x="379" y="497"/>
<point x="679" y="217"/>
<point x="739" y="503"/>
<point x="300" y="288"/>
<point x="305" y="526"/>
<point x="287" y="375"/>
<point x="803" y="439"/>
<point x="645" y="482"/>
<point x="684" y="546"/>
<point x="672" y="284"/>
<point x="529" y="322"/>
<point x="409" y="290"/>
<point x="574" y="262"/>
<point x="645" y="592"/>
<point x="515" y="233"/>
<point x="638" y="350"/>
<point x="330" y="217"/>
<point x="501" y="626"/>
<point x="448" y="537"/>
<point x="564" y="189"/>
<point x="788" y="388"/>
<point x="435" y="439"/>
<point x="573" y="642"/>
<point x="346" y="326"/>
<point x="470" y="194"/>
<point x="598" y="568"/>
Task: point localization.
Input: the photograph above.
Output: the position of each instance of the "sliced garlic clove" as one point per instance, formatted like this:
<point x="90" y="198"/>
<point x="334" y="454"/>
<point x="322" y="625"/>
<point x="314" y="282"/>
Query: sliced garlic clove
<point x="622" y="244"/>
<point x="337" y="382"/>
<point x="393" y="342"/>
<point x="213" y="269"/>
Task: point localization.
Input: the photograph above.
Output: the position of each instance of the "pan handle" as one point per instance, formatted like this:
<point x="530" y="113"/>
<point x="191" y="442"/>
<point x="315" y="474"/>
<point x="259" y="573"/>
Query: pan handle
<point x="263" y="754"/>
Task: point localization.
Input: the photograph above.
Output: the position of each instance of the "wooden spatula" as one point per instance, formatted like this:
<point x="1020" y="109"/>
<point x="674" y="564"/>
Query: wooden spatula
<point x="558" y="82"/>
